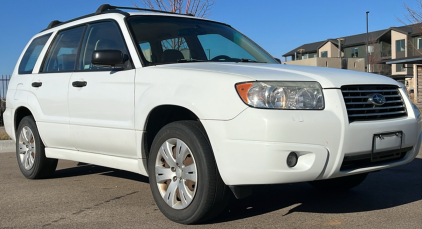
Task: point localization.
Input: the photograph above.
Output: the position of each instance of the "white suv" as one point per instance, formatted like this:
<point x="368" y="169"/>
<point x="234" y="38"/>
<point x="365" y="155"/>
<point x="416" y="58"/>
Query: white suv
<point x="200" y="109"/>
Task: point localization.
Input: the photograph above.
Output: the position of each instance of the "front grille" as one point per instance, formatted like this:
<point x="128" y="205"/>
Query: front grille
<point x="359" y="108"/>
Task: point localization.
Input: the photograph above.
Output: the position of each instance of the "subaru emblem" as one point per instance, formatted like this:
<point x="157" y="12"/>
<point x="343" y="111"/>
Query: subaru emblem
<point x="377" y="99"/>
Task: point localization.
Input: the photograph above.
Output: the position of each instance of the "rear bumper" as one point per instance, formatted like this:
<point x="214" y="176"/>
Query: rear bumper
<point x="9" y="123"/>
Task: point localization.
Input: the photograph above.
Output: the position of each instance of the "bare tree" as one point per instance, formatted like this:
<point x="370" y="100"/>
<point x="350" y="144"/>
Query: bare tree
<point x="375" y="55"/>
<point x="413" y="15"/>
<point x="413" y="18"/>
<point x="198" y="8"/>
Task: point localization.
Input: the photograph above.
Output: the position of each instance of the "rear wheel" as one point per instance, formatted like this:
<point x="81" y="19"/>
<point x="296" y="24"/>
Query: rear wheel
<point x="339" y="184"/>
<point x="183" y="174"/>
<point x="30" y="151"/>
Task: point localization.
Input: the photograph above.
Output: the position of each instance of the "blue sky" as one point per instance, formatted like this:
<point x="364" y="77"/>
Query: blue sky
<point x="276" y="25"/>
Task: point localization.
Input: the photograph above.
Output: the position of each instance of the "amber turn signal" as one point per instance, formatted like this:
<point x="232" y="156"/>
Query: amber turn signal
<point x="243" y="90"/>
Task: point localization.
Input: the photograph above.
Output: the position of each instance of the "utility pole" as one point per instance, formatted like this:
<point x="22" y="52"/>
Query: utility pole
<point x="367" y="41"/>
<point x="339" y="46"/>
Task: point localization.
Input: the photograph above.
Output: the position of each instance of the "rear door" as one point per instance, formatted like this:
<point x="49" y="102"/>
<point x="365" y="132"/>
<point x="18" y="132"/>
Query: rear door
<point x="50" y="88"/>
<point x="101" y="100"/>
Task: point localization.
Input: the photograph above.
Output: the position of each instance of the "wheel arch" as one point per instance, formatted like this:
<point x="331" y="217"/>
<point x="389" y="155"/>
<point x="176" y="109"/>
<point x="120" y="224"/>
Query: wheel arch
<point x="20" y="113"/>
<point x="160" y="116"/>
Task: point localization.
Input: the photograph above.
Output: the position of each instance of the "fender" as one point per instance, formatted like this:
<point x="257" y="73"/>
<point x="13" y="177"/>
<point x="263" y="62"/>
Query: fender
<point x="184" y="88"/>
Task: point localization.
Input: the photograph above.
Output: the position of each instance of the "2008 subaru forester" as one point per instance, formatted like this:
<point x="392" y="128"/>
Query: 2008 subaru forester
<point x="200" y="108"/>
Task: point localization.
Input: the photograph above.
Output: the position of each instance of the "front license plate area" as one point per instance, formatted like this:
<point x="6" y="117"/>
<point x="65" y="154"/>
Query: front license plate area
<point x="386" y="146"/>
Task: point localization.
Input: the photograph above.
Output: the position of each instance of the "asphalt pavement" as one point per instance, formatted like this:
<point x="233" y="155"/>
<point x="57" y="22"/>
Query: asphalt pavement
<point x="87" y="196"/>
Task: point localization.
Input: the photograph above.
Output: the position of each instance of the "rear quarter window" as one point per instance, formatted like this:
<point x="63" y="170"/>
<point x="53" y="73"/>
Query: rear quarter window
<point x="32" y="53"/>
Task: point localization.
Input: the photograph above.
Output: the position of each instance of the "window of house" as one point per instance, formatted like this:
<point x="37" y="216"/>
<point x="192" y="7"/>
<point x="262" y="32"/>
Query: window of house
<point x="62" y="56"/>
<point x="370" y="49"/>
<point x="400" y="67"/>
<point x="312" y="55"/>
<point x="355" y="53"/>
<point x="419" y="43"/>
<point x="101" y="36"/>
<point x="324" y="54"/>
<point x="400" y="45"/>
<point x="32" y="53"/>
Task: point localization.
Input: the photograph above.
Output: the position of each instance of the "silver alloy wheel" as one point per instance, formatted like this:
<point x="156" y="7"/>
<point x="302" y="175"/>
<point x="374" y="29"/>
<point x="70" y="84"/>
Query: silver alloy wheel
<point x="27" y="148"/>
<point x="176" y="173"/>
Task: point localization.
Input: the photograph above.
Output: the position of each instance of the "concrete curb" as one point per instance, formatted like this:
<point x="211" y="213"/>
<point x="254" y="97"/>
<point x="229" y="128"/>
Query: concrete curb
<point x="7" y="146"/>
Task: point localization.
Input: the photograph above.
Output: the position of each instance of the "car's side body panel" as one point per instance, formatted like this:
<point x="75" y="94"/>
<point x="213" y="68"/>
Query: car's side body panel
<point x="127" y="164"/>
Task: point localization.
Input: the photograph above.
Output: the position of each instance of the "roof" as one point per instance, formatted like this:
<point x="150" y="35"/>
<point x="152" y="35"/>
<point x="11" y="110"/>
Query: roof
<point x="358" y="39"/>
<point x="406" y="60"/>
<point x="311" y="47"/>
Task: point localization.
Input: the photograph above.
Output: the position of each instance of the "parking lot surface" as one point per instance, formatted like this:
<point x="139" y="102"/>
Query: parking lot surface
<point x="87" y="196"/>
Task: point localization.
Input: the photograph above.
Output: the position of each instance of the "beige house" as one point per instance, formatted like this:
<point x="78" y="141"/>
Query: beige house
<point x="395" y="52"/>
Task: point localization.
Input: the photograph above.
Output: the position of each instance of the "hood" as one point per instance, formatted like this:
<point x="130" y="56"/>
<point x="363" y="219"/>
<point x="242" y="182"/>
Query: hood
<point x="327" y="77"/>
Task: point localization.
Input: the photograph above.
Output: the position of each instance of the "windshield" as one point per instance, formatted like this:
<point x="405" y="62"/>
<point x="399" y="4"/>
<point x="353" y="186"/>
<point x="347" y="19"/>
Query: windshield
<point x="166" y="40"/>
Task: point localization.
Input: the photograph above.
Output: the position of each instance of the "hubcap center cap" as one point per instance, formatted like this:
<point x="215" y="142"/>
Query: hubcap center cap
<point x="179" y="172"/>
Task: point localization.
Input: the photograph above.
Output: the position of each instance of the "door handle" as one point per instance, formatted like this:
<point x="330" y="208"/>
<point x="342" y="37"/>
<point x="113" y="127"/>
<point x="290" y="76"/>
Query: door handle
<point x="36" y="84"/>
<point x="79" y="83"/>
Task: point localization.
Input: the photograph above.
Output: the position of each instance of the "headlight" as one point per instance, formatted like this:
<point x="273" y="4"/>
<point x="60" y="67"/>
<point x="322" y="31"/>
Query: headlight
<point x="282" y="95"/>
<point x="416" y="110"/>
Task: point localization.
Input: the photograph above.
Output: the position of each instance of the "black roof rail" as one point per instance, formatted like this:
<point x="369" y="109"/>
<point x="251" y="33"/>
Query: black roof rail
<point x="53" y="24"/>
<point x="105" y="7"/>
<point x="57" y="23"/>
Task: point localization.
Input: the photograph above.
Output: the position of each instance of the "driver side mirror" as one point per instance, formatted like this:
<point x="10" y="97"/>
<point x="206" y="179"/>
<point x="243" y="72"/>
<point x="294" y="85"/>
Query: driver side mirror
<point x="108" y="58"/>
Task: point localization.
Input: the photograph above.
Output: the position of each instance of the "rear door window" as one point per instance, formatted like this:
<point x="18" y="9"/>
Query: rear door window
<point x="63" y="54"/>
<point x="32" y="53"/>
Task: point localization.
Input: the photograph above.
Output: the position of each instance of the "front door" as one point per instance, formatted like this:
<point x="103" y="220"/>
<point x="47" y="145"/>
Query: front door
<point x="101" y="100"/>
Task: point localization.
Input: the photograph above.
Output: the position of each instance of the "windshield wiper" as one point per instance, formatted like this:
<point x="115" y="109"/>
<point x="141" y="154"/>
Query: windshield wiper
<point x="250" y="60"/>
<point x="189" y="60"/>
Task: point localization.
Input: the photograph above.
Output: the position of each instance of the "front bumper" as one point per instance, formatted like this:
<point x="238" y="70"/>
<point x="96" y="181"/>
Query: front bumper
<point x="253" y="147"/>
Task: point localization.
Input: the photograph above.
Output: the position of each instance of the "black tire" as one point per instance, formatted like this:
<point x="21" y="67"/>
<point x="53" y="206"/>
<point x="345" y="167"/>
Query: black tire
<point x="42" y="167"/>
<point x="339" y="184"/>
<point x="211" y="195"/>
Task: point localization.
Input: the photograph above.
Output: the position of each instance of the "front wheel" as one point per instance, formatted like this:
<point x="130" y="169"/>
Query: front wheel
<point x="339" y="184"/>
<point x="183" y="174"/>
<point x="30" y="151"/>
